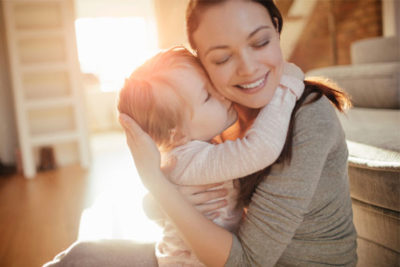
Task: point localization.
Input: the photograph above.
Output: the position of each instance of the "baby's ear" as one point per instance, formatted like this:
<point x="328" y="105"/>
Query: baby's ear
<point x="177" y="137"/>
<point x="168" y="166"/>
<point x="293" y="70"/>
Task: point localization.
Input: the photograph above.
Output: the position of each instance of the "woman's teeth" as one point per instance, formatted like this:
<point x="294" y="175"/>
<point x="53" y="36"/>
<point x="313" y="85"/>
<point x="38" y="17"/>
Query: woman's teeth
<point x="252" y="85"/>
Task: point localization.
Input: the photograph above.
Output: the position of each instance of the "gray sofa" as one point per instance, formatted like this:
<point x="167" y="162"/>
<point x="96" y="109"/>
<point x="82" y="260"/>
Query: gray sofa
<point x="372" y="130"/>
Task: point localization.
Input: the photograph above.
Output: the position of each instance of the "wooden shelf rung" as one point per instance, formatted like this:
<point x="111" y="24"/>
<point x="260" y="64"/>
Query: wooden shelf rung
<point x="45" y="33"/>
<point x="49" y="102"/>
<point x="54" y="138"/>
<point x="45" y="67"/>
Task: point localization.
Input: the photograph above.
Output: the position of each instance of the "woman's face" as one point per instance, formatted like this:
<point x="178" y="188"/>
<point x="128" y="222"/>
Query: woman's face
<point x="240" y="49"/>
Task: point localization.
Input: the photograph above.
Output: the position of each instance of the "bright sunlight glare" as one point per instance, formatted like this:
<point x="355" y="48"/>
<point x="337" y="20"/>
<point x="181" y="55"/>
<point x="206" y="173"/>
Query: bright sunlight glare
<point x="118" y="214"/>
<point x="115" y="211"/>
<point x="111" y="48"/>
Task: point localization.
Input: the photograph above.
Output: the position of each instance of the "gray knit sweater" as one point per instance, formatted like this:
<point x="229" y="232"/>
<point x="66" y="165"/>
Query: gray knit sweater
<point x="301" y="214"/>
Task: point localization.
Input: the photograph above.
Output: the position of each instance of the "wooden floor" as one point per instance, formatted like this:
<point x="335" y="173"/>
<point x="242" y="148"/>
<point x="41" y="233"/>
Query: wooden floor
<point x="40" y="217"/>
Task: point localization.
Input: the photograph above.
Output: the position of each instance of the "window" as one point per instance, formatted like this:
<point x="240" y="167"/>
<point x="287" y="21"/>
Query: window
<point x="112" y="47"/>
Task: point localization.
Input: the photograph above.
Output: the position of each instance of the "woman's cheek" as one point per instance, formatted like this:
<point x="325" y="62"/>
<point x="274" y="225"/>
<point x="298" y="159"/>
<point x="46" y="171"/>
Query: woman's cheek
<point x="219" y="77"/>
<point x="275" y="55"/>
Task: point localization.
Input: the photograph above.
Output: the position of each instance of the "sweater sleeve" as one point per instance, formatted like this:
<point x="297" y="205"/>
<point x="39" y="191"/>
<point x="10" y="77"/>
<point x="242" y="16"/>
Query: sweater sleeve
<point x="280" y="201"/>
<point x="260" y="147"/>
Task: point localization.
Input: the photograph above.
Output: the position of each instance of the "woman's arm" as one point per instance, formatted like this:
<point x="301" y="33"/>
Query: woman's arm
<point x="199" y="196"/>
<point x="212" y="243"/>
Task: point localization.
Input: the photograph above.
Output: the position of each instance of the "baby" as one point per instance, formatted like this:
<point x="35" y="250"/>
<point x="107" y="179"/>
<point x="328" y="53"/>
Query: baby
<point x="169" y="98"/>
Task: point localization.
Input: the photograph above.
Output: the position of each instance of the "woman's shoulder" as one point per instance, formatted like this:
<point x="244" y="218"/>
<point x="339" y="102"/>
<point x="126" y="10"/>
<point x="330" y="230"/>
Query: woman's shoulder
<point x="317" y="117"/>
<point x="320" y="109"/>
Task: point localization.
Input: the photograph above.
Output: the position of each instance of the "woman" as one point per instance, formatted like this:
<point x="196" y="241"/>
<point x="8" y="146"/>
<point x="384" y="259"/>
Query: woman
<point x="299" y="210"/>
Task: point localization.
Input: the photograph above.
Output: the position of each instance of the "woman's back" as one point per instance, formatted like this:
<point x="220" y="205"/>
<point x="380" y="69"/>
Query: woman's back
<point x="301" y="214"/>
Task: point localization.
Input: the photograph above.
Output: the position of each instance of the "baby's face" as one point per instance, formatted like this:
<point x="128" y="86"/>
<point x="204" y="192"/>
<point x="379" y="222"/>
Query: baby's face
<point x="206" y="115"/>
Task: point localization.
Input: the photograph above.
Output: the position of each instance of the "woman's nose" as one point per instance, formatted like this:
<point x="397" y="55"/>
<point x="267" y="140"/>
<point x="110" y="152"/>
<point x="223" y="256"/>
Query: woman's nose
<point x="246" y="65"/>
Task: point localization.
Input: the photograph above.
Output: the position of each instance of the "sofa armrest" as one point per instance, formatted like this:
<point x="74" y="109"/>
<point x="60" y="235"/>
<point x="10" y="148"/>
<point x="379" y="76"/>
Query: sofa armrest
<point x="369" y="85"/>
<point x="374" y="50"/>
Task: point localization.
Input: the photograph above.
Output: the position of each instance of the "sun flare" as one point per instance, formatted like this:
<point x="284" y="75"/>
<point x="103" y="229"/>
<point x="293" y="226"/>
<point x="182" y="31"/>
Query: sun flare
<point x="115" y="209"/>
<point x="111" y="47"/>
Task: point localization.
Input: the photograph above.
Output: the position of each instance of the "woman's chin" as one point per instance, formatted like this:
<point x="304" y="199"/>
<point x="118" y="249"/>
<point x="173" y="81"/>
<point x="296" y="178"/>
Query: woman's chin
<point x="257" y="101"/>
<point x="255" y="104"/>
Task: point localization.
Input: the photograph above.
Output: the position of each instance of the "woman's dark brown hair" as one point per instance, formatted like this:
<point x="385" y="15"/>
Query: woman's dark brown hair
<point x="318" y="86"/>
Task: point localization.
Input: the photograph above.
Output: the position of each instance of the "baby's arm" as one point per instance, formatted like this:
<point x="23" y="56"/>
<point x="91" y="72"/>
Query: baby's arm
<point x="259" y="148"/>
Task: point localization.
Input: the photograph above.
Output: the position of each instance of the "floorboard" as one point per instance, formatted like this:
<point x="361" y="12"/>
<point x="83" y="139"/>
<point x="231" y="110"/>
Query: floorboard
<point x="40" y="217"/>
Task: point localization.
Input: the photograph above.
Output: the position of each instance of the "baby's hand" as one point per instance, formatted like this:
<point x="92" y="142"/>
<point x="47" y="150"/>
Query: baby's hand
<point x="205" y="198"/>
<point x="293" y="79"/>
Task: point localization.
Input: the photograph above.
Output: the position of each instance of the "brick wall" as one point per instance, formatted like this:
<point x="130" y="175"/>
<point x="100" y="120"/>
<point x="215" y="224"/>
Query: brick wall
<point x="351" y="20"/>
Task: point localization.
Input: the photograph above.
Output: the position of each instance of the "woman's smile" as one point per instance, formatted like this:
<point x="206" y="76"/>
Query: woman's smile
<point x="253" y="87"/>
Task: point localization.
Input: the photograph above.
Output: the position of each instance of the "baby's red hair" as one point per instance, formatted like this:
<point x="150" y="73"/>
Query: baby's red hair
<point x="138" y="97"/>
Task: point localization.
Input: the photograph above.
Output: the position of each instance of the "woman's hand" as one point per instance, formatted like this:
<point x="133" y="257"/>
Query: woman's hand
<point x="144" y="151"/>
<point x="147" y="159"/>
<point x="202" y="198"/>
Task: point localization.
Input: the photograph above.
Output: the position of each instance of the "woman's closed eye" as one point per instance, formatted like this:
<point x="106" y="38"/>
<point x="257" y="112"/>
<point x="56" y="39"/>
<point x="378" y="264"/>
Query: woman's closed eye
<point x="221" y="60"/>
<point x="261" y="43"/>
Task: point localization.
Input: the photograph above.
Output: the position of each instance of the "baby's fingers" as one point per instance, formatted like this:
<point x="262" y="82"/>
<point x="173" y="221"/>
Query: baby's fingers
<point x="212" y="215"/>
<point x="208" y="208"/>
<point x="204" y="197"/>
<point x="192" y="190"/>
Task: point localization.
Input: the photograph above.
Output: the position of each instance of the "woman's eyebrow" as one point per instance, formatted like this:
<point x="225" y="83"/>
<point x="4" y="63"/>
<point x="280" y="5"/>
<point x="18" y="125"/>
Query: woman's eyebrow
<point x="257" y="30"/>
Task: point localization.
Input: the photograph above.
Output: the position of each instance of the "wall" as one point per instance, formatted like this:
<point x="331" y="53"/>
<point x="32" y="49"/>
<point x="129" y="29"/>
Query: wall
<point x="113" y="8"/>
<point x="170" y="22"/>
<point x="101" y="107"/>
<point x="391" y="17"/>
<point x="329" y="44"/>
<point x="8" y="136"/>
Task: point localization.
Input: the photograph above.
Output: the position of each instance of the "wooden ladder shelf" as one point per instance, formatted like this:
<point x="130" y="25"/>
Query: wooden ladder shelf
<point x="45" y="71"/>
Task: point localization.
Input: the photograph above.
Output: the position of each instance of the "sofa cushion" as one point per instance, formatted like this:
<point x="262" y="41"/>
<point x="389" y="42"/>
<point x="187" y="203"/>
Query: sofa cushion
<point x="376" y="49"/>
<point x="377" y="131"/>
<point x="371" y="254"/>
<point x="373" y="139"/>
<point x="379" y="188"/>
<point x="369" y="85"/>
<point x="369" y="220"/>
